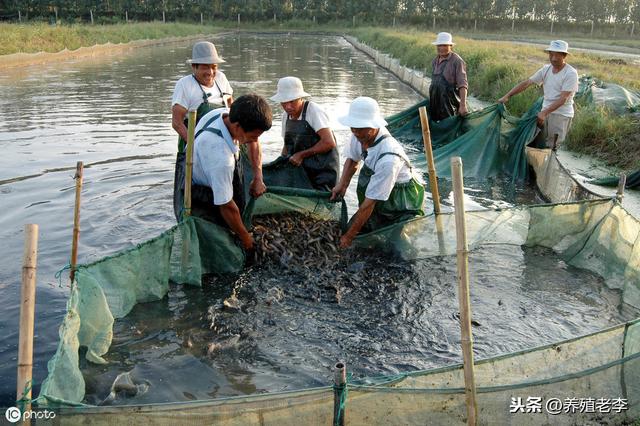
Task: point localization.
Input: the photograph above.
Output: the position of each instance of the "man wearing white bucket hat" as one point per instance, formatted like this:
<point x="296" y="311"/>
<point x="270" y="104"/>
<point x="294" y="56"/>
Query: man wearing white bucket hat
<point x="308" y="140"/>
<point x="206" y="89"/>
<point x="559" y="81"/>
<point x="388" y="191"/>
<point x="448" y="89"/>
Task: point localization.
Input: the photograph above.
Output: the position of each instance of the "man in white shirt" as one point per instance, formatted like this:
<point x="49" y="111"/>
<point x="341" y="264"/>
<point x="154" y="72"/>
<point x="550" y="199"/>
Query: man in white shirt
<point x="215" y="155"/>
<point x="308" y="140"/>
<point x="388" y="191"/>
<point x="205" y="89"/>
<point x="560" y="83"/>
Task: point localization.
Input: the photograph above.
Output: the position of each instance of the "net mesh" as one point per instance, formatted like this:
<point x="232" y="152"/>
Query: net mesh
<point x="597" y="235"/>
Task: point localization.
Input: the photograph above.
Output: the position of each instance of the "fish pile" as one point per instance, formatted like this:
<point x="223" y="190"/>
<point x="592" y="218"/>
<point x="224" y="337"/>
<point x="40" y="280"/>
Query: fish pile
<point x="296" y="240"/>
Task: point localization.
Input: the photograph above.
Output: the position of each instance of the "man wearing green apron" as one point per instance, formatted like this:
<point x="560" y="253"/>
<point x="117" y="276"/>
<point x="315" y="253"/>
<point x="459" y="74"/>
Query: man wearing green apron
<point x="308" y="140"/>
<point x="215" y="156"/>
<point x="448" y="89"/>
<point x="388" y="191"/>
<point x="207" y="88"/>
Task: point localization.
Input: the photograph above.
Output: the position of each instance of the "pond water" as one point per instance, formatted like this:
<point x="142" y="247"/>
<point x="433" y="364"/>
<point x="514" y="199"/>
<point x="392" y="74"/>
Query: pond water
<point x="113" y="113"/>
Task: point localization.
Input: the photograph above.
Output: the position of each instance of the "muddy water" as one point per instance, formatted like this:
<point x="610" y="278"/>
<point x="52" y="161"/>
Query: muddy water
<point x="287" y="327"/>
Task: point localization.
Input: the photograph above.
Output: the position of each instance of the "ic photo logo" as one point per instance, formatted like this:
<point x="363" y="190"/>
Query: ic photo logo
<point x="13" y="414"/>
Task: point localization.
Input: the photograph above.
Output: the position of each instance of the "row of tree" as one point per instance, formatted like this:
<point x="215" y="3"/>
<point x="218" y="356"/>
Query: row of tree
<point x="373" y="11"/>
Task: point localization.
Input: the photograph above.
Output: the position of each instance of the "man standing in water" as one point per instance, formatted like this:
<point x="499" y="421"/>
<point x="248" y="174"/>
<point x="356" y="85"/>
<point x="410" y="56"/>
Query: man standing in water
<point x="388" y="191"/>
<point x="448" y="89"/>
<point x="205" y="89"/>
<point x="215" y="155"/>
<point x="308" y="140"/>
<point x="559" y="81"/>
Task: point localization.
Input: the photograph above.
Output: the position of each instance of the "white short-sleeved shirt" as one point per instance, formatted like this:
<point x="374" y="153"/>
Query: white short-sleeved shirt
<point x="316" y="117"/>
<point x="553" y="84"/>
<point x="388" y="170"/>
<point x="188" y="92"/>
<point x="214" y="158"/>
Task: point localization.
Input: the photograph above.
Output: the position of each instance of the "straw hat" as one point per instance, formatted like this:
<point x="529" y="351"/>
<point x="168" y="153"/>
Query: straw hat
<point x="443" y="38"/>
<point x="364" y="112"/>
<point x="558" y="46"/>
<point x="289" y="89"/>
<point x="204" y="52"/>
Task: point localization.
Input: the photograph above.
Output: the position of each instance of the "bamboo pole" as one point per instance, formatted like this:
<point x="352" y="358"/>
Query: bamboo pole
<point x="27" y="314"/>
<point x="442" y="247"/>
<point x="463" y="290"/>
<point x="187" y="180"/>
<point x="76" y="222"/>
<point x="428" y="152"/>
<point x="621" y="184"/>
<point x="339" y="380"/>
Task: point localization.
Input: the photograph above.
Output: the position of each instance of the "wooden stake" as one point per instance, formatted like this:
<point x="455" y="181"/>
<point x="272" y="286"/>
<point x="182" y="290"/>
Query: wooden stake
<point x="126" y="16"/>
<point x="201" y="19"/>
<point x="187" y="180"/>
<point x="428" y="152"/>
<point x="76" y="222"/>
<point x="339" y="380"/>
<point x="463" y="290"/>
<point x="91" y="13"/>
<point x="27" y="314"/>
<point x="621" y="184"/>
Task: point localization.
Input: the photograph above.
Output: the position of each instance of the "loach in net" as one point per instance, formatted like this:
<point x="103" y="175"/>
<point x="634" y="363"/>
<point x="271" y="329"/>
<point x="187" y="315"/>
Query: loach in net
<point x="597" y="235"/>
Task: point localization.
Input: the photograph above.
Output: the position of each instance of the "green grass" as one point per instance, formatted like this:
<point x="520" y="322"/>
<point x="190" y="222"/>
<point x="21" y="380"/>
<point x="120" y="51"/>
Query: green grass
<point x="493" y="66"/>
<point x="36" y="37"/>
<point x="612" y="138"/>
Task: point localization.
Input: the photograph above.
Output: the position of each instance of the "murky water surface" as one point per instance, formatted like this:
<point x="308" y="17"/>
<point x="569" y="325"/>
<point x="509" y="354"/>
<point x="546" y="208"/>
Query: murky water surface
<point x="113" y="113"/>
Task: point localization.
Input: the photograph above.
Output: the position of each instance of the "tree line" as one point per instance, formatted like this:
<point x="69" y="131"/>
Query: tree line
<point x="362" y="11"/>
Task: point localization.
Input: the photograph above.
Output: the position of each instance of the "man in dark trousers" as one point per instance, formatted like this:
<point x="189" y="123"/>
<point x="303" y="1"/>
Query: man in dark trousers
<point x="448" y="90"/>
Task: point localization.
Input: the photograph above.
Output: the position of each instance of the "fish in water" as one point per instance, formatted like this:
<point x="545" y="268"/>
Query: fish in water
<point x="124" y="386"/>
<point x="296" y="240"/>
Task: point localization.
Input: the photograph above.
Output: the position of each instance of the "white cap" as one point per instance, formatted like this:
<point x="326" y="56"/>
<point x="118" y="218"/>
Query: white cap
<point x="443" y="38"/>
<point x="289" y="89"/>
<point x="558" y="46"/>
<point x="205" y="52"/>
<point x="364" y="112"/>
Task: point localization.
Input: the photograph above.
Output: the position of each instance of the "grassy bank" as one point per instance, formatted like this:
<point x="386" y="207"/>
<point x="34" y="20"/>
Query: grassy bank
<point x="494" y="67"/>
<point x="39" y="37"/>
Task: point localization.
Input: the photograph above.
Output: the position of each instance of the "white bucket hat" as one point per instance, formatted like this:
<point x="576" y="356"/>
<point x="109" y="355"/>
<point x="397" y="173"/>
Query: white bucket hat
<point x="444" y="38"/>
<point x="364" y="112"/>
<point x="204" y="52"/>
<point x="289" y="89"/>
<point x="558" y="46"/>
